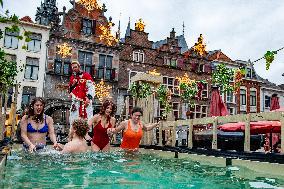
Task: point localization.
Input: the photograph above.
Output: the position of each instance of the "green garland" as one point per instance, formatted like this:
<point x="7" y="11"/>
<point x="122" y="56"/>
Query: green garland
<point x="140" y="90"/>
<point x="269" y="57"/>
<point x="222" y="77"/>
<point x="164" y="96"/>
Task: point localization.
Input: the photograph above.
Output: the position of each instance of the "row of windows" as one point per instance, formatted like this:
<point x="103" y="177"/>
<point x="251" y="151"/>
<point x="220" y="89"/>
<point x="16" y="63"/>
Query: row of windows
<point x="11" y="41"/>
<point x="243" y="97"/>
<point x="105" y="68"/>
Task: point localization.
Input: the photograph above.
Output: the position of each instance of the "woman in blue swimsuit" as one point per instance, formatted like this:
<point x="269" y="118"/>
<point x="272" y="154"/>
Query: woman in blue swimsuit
<point x="35" y="126"/>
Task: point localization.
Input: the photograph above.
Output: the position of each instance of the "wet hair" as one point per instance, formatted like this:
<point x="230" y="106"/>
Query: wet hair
<point x="137" y="109"/>
<point x="105" y="104"/>
<point x="80" y="127"/>
<point x="31" y="113"/>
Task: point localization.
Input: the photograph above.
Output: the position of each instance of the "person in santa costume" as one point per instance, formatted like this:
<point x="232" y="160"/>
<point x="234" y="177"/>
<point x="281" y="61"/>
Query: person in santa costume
<point x="82" y="92"/>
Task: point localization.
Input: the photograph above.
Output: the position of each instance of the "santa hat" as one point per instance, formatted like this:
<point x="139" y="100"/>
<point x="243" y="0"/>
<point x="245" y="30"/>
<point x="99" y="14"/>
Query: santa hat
<point x="75" y="62"/>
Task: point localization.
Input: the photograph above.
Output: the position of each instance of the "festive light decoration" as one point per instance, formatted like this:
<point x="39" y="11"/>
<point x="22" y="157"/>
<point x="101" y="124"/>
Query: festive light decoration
<point x="199" y="47"/>
<point x="154" y="72"/>
<point x="140" y="25"/>
<point x="107" y="37"/>
<point x="185" y="79"/>
<point x="223" y="77"/>
<point x="140" y="89"/>
<point x="90" y="4"/>
<point x="64" y="50"/>
<point x="269" y="57"/>
<point x="238" y="77"/>
<point x="102" y="90"/>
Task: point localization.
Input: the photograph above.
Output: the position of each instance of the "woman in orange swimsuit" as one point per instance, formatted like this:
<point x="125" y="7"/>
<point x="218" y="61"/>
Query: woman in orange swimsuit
<point x="102" y="121"/>
<point x="132" y="130"/>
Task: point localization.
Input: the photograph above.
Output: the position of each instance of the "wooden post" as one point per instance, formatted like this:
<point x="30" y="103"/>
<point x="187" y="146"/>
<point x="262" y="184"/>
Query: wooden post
<point x="247" y="134"/>
<point x="282" y="132"/>
<point x="174" y="134"/>
<point x="214" y="138"/>
<point x="189" y="137"/>
<point x="127" y="107"/>
<point x="160" y="134"/>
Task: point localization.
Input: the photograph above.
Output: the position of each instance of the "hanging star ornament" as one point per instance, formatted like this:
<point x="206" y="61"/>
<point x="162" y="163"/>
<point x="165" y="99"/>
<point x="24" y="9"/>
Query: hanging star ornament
<point x="106" y="36"/>
<point x="64" y="50"/>
<point x="102" y="90"/>
<point x="90" y="4"/>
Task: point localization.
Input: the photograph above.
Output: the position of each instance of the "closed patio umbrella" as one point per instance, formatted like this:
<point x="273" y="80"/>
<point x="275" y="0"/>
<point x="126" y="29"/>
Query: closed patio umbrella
<point x="217" y="106"/>
<point x="274" y="102"/>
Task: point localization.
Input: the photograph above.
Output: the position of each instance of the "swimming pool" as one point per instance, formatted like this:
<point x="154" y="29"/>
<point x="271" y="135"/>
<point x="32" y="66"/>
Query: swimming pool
<point x="117" y="170"/>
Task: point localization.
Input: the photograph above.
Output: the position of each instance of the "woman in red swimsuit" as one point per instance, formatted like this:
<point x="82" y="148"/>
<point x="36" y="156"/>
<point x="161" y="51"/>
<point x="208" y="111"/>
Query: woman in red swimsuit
<point x="102" y="121"/>
<point x="132" y="130"/>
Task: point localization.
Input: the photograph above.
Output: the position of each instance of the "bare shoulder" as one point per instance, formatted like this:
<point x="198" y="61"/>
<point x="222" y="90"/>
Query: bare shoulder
<point x="96" y="117"/>
<point x="49" y="119"/>
<point x="24" y="118"/>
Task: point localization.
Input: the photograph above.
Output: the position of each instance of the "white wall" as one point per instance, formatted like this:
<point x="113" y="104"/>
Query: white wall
<point x="22" y="54"/>
<point x="269" y="92"/>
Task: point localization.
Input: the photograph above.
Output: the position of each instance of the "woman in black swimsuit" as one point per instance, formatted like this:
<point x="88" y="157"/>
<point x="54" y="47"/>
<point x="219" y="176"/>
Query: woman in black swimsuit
<point x="36" y="125"/>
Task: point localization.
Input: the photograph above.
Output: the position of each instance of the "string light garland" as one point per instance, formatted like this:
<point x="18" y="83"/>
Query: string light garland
<point x="102" y="90"/>
<point x="154" y="72"/>
<point x="64" y="50"/>
<point x="140" y="25"/>
<point x="269" y="57"/>
<point x="90" y="4"/>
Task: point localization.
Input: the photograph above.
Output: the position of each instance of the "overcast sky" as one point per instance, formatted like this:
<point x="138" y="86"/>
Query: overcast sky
<point x="242" y="29"/>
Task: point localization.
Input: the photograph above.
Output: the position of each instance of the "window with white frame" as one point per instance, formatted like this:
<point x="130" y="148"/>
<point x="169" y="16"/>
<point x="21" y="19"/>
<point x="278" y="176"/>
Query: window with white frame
<point x="170" y="61"/>
<point x="205" y="91"/>
<point x="35" y="43"/>
<point x="252" y="98"/>
<point x="243" y="97"/>
<point x="198" y="111"/>
<point x="267" y="101"/>
<point x="172" y="84"/>
<point x="176" y="109"/>
<point x="138" y="56"/>
<point x="230" y="97"/>
<point x="11" y="39"/>
<point x="32" y="67"/>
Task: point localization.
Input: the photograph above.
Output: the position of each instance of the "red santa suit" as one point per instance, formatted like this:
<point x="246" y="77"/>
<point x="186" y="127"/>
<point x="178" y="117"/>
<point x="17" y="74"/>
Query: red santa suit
<point x="80" y="91"/>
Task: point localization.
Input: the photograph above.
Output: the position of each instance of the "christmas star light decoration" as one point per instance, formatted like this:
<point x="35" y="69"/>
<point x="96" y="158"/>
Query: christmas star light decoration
<point x="199" y="47"/>
<point x="185" y="79"/>
<point x="90" y="4"/>
<point x="64" y="50"/>
<point x="102" y="90"/>
<point x="107" y="37"/>
<point x="154" y="72"/>
<point x="140" y="25"/>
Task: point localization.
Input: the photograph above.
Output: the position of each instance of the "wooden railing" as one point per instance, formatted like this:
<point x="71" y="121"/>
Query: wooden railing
<point x="215" y="121"/>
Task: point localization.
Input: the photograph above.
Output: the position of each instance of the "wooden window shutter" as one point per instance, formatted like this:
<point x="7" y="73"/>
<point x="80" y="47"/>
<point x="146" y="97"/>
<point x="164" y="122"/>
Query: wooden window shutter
<point x="94" y="27"/>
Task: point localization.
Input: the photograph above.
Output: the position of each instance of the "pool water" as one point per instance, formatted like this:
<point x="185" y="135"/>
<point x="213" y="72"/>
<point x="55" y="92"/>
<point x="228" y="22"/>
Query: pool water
<point x="118" y="170"/>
